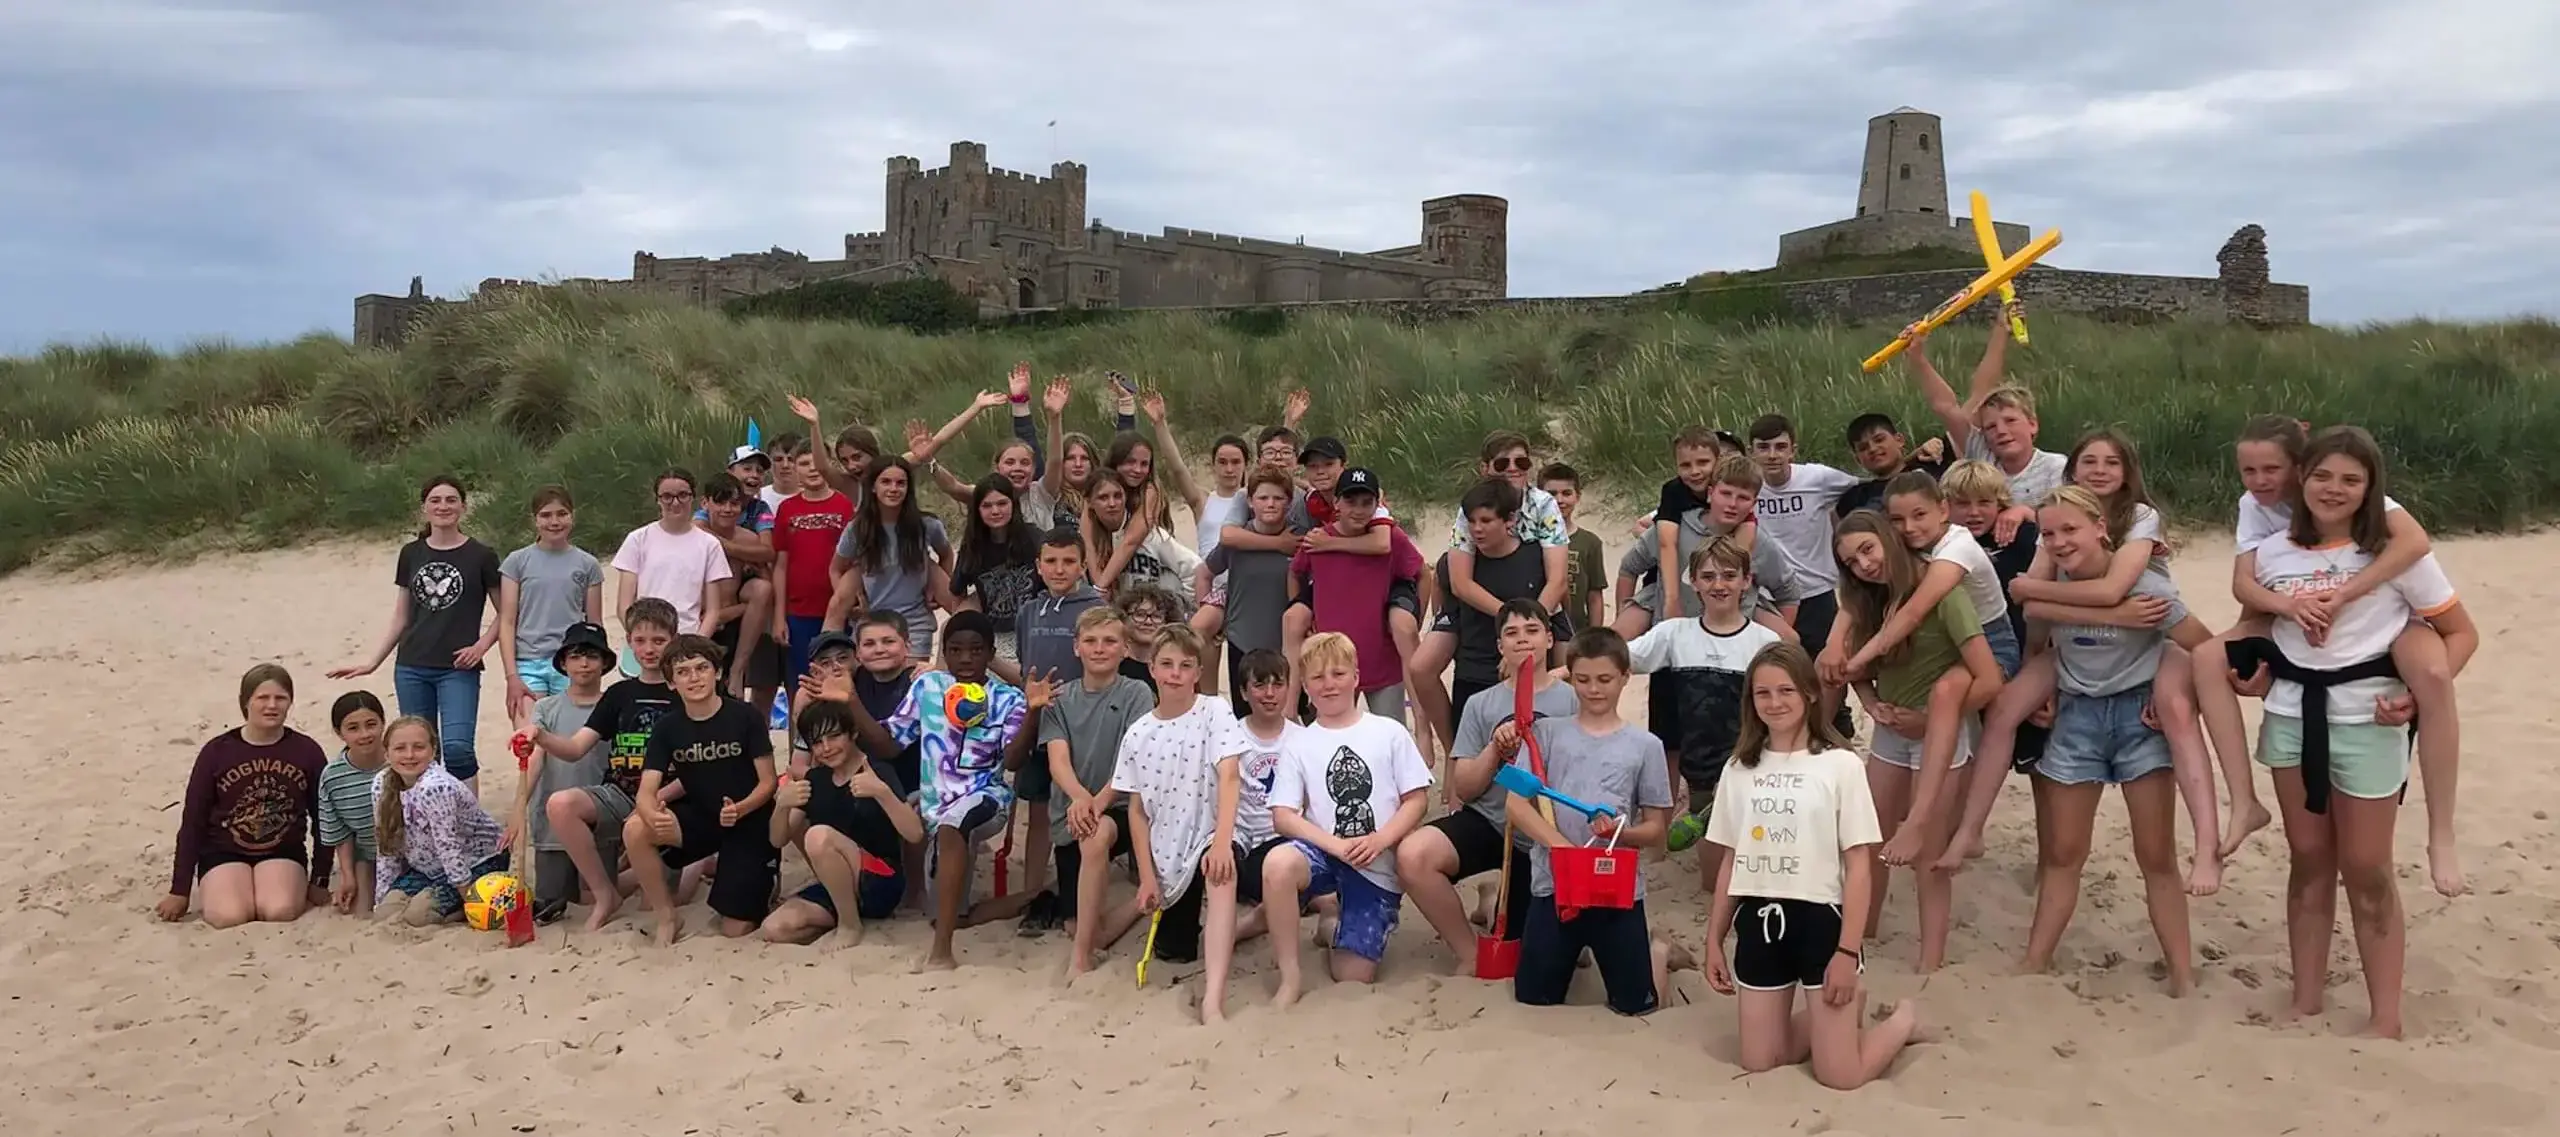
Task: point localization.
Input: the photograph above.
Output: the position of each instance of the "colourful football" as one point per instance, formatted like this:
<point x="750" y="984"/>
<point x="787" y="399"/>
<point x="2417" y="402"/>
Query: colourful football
<point x="486" y="903"/>
<point x="965" y="704"/>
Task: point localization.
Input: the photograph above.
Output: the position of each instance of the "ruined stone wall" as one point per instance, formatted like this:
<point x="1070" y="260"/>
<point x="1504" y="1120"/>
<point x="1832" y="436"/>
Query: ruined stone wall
<point x="1879" y="234"/>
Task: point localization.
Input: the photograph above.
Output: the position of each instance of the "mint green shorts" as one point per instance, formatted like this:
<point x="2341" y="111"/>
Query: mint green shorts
<point x="2365" y="760"/>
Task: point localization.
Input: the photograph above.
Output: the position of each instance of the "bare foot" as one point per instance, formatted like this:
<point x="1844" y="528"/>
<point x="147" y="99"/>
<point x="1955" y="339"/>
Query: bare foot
<point x="669" y="927"/>
<point x="605" y="908"/>
<point x="2181" y="980"/>
<point x="1906" y="1017"/>
<point x="1951" y="861"/>
<point x="2245" y="823"/>
<point x="1970" y="846"/>
<point x="2381" y="1028"/>
<point x="1287" y="995"/>
<point x="1465" y="967"/>
<point x="2445" y="866"/>
<point x="2206" y="878"/>
<point x="844" y="936"/>
<point x="1080" y="962"/>
<point x="1324" y="932"/>
<point x="1212" y="1016"/>
<point x="2032" y="966"/>
<point x="938" y="961"/>
<point x="1676" y="957"/>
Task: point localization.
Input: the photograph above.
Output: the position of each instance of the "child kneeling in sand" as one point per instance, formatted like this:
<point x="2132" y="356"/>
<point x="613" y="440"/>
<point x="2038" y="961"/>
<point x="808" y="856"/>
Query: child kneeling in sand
<point x="967" y="744"/>
<point x="1597" y="758"/>
<point x="1801" y="823"/>
<point x="1349" y="787"/>
<point x="429" y="831"/>
<point x="845" y="813"/>
<point x="254" y="790"/>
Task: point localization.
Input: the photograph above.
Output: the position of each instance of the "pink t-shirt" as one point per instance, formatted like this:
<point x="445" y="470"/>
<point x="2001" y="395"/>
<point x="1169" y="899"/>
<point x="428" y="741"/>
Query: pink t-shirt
<point x="1351" y="598"/>
<point x="673" y="567"/>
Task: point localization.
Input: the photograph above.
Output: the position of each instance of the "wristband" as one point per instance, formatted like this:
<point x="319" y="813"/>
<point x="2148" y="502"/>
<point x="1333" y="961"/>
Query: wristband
<point x="1852" y="953"/>
<point x="1021" y="400"/>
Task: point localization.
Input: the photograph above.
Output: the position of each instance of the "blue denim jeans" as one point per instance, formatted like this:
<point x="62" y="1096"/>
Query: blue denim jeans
<point x="449" y="698"/>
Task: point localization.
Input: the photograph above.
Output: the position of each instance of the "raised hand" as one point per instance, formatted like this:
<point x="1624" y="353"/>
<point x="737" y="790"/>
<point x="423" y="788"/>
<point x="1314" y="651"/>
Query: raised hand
<point x="919" y="438"/>
<point x="1054" y="400"/>
<point x="804" y="410"/>
<point x="1018" y="382"/>
<point x="1294" y="407"/>
<point x="1152" y="401"/>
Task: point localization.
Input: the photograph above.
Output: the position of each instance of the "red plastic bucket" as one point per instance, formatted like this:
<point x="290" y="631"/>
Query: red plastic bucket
<point x="1591" y="876"/>
<point x="1496" y="958"/>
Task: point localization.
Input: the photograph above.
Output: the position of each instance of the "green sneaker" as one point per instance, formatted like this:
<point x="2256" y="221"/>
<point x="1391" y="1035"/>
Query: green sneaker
<point x="1686" y="829"/>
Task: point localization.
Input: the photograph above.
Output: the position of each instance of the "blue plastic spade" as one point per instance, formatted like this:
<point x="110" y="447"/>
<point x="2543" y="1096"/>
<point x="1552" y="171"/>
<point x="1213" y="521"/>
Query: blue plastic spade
<point x="1519" y="780"/>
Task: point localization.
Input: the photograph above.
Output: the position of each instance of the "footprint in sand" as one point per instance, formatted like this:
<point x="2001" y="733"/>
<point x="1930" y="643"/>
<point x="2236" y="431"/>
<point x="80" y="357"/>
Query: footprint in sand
<point x="474" y="983"/>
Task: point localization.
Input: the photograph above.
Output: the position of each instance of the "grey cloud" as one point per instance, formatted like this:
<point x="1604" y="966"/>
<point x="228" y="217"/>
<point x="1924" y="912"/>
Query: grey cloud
<point x="184" y="171"/>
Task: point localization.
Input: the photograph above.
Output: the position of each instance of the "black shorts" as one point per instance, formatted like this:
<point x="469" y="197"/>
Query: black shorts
<point x="1407" y="595"/>
<point x="213" y="859"/>
<point x="2029" y="747"/>
<point x="1783" y="943"/>
<point x="1032" y="782"/>
<point x="763" y="660"/>
<point x="1178" y="934"/>
<point x="742" y="883"/>
<point x="1480" y="849"/>
<point x="1621" y="950"/>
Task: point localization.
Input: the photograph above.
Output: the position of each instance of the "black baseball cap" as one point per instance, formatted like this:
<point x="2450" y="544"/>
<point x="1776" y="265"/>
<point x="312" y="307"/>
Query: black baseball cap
<point x="1324" y="447"/>
<point x="1357" y="479"/>
<point x="581" y="637"/>
<point x="829" y="641"/>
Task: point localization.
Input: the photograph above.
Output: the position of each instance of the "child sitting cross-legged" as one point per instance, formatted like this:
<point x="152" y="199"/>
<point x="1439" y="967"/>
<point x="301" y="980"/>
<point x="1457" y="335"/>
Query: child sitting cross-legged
<point x="718" y="749"/>
<point x="1599" y="759"/>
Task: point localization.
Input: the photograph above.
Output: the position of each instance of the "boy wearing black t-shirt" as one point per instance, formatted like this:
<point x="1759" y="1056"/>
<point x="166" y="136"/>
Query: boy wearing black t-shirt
<point x="718" y="750"/>
<point x="1884" y="452"/>
<point x="852" y="821"/>
<point x="588" y="820"/>
<point x="1506" y="568"/>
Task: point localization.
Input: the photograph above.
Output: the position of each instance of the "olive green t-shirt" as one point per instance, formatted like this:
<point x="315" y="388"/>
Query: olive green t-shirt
<point x="1935" y="647"/>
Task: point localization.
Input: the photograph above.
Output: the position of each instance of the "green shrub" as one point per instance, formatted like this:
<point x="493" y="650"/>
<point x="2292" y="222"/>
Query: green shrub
<point x="110" y="448"/>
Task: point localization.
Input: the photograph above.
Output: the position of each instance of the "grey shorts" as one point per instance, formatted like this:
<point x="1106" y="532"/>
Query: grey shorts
<point x="613" y="807"/>
<point x="1387" y="701"/>
<point x="1894" y="750"/>
<point x="2100" y="738"/>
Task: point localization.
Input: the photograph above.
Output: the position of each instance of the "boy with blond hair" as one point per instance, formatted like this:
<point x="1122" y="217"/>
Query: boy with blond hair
<point x="1350" y="786"/>
<point x="1080" y="747"/>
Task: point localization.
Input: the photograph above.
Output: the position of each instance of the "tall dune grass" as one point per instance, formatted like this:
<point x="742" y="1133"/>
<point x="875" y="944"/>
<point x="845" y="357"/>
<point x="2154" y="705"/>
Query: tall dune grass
<point x="116" y="448"/>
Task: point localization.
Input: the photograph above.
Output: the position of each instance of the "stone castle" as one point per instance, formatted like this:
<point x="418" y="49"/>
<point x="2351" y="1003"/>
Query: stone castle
<point x="1020" y="243"/>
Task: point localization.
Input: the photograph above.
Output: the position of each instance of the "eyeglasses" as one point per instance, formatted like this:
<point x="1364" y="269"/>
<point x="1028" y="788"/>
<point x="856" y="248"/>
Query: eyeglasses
<point x="1145" y="616"/>
<point x="1520" y="462"/>
<point x="675" y="497"/>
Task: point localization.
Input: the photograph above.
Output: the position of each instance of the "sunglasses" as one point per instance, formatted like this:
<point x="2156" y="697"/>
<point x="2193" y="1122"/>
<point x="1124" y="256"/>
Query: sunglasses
<point x="1516" y="463"/>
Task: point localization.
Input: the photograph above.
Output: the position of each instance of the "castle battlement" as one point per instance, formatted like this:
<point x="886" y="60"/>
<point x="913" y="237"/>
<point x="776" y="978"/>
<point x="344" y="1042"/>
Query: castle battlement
<point x="1019" y="240"/>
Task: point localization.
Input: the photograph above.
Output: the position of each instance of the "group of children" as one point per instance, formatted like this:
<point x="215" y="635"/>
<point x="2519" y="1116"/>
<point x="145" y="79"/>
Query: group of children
<point x="1974" y="597"/>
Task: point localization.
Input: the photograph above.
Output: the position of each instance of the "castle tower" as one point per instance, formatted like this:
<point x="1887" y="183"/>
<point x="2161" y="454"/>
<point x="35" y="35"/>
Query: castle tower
<point x="1470" y="232"/>
<point x="1069" y="178"/>
<point x="894" y="236"/>
<point x="1906" y="165"/>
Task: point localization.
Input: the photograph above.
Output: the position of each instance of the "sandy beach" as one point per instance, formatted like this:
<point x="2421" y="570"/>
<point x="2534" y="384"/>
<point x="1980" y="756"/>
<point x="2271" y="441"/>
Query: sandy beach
<point x="117" y="1022"/>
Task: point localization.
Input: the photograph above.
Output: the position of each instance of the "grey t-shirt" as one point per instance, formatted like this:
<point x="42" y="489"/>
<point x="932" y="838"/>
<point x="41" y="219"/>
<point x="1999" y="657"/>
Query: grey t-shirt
<point x="2045" y="472"/>
<point x="1257" y="594"/>
<point x="900" y="588"/>
<point x="1776" y="586"/>
<point x="1622" y="769"/>
<point x="2101" y="659"/>
<point x="562" y="716"/>
<point x="551" y="594"/>
<point x="1092" y="723"/>
<point x="1491" y="708"/>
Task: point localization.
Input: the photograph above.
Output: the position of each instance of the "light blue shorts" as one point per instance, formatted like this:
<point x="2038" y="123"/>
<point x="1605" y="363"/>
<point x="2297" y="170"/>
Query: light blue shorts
<point x="540" y="677"/>
<point x="2365" y="760"/>
<point x="2100" y="738"/>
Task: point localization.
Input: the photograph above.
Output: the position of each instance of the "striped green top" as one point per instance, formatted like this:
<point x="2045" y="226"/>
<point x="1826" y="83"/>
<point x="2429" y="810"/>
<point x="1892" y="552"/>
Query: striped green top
<point x="346" y="805"/>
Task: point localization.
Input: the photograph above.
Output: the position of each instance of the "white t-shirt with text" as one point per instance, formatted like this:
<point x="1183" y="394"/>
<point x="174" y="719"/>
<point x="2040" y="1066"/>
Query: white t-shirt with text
<point x="1261" y="764"/>
<point x="1348" y="781"/>
<point x="1797" y="516"/>
<point x="1789" y="821"/>
<point x="2361" y="631"/>
<point x="2254" y="521"/>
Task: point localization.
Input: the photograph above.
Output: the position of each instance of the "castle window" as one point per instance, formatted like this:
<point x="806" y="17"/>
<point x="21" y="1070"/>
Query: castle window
<point x="1906" y="171"/>
<point x="1101" y="278"/>
<point x="1924" y="143"/>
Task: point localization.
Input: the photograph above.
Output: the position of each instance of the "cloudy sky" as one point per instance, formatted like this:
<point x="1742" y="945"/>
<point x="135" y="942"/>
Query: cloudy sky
<point x="172" y="170"/>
